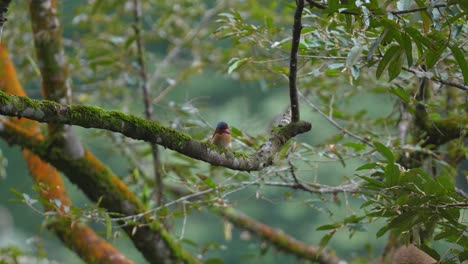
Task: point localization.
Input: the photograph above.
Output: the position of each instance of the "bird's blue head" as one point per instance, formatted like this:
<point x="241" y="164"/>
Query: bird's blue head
<point x="222" y="126"/>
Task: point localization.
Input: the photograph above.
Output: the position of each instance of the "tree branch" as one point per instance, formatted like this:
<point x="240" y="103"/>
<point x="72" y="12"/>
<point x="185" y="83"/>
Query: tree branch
<point x="138" y="128"/>
<point x="49" y="50"/>
<point x="147" y="98"/>
<point x="3" y="10"/>
<point x="438" y="80"/>
<point x="296" y="37"/>
<point x="278" y="238"/>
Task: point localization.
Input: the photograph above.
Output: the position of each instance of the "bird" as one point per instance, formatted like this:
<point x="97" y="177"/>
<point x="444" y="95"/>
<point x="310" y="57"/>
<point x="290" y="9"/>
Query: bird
<point x="222" y="135"/>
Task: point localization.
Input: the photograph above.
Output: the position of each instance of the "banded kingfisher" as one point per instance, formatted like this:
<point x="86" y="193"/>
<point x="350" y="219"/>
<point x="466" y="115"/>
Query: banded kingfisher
<point x="222" y="135"/>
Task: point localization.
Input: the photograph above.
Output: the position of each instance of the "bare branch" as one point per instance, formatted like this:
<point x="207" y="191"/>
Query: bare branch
<point x="296" y="37"/>
<point x="278" y="238"/>
<point x="147" y="98"/>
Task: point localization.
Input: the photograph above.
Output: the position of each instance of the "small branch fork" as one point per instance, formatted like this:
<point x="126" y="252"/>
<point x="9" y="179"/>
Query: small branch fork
<point x="318" y="188"/>
<point x="297" y="27"/>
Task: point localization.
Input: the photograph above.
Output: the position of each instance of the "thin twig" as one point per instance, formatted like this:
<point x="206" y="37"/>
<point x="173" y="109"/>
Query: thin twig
<point x="400" y="12"/>
<point x="334" y="123"/>
<point x="182" y="199"/>
<point x="414" y="10"/>
<point x="438" y="80"/>
<point x="296" y="37"/>
<point x="147" y="98"/>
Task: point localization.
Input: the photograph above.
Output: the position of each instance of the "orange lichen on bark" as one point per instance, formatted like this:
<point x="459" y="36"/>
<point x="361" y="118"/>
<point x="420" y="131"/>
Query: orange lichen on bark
<point x="49" y="181"/>
<point x="88" y="244"/>
<point x="83" y="240"/>
<point x="46" y="176"/>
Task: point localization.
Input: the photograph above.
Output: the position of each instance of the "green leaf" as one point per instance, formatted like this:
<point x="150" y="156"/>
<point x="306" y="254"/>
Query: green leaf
<point x="386" y="152"/>
<point x="129" y="41"/>
<point x="373" y="182"/>
<point x="325" y="239"/>
<point x="426" y="18"/>
<point x="376" y="44"/>
<point x="235" y="64"/>
<point x="333" y="6"/>
<point x="353" y="219"/>
<point x="430" y="251"/>
<point x="404" y="221"/>
<point x="368" y="166"/>
<point x="461" y="60"/>
<point x="389" y="56"/>
<point x="401" y="93"/>
<point x="394" y="68"/>
<point x="235" y="132"/>
<point x="368" y="203"/>
<point x="340" y="157"/>
<point x="329" y="227"/>
<point x="433" y="56"/>
<point x="392" y="174"/>
<point x="382" y="231"/>
<point x="189" y="242"/>
<point x="108" y="227"/>
<point x="208" y="181"/>
<point x="408" y="46"/>
<point x="353" y="56"/>
<point x="418" y="38"/>
<point x="355" y="146"/>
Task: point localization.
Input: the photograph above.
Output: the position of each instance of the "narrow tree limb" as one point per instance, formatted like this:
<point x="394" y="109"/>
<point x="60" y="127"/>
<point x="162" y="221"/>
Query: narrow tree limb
<point x="439" y="132"/>
<point x="3" y="10"/>
<point x="100" y="184"/>
<point x="296" y="38"/>
<point x="49" y="50"/>
<point x="436" y="132"/>
<point x="147" y="100"/>
<point x="53" y="66"/>
<point x="279" y="239"/>
<point x="138" y="128"/>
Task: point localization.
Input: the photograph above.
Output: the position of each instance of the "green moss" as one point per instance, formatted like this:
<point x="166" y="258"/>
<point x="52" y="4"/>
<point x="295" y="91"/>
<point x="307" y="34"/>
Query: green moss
<point x="242" y="155"/>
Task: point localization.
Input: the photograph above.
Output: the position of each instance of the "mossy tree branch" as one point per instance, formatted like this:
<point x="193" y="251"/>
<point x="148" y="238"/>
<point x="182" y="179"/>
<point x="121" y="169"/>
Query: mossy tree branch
<point x="439" y="132"/>
<point x="138" y="128"/>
